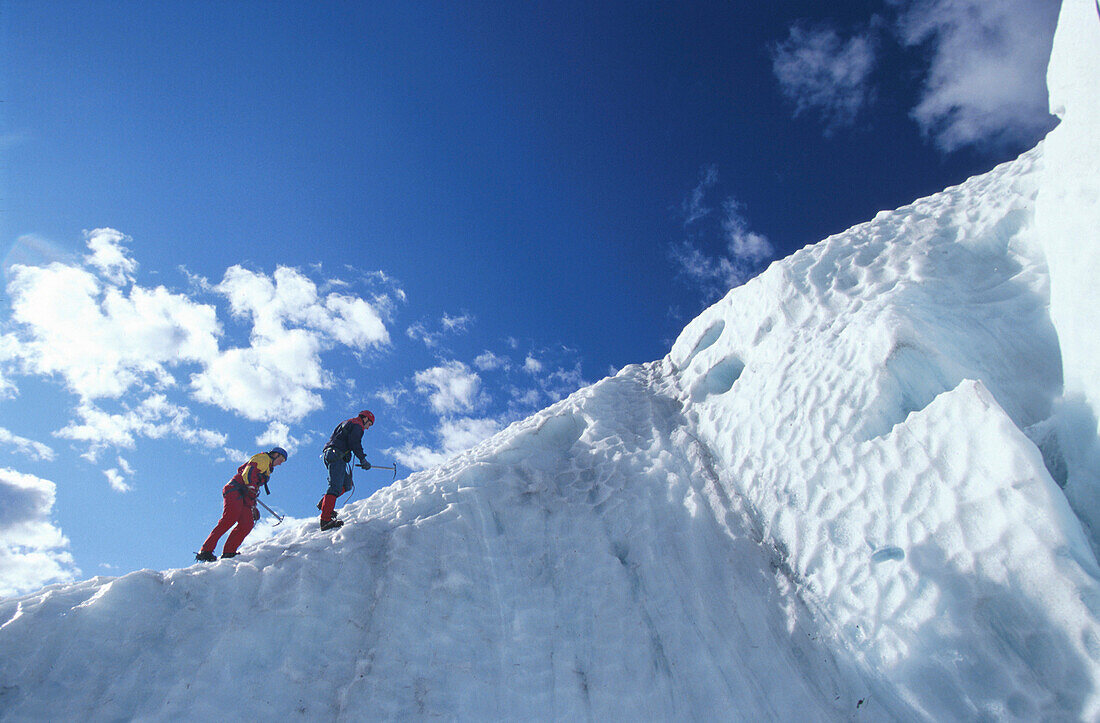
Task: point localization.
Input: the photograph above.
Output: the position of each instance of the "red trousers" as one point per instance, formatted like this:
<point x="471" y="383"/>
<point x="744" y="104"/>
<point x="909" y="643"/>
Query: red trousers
<point x="236" y="512"/>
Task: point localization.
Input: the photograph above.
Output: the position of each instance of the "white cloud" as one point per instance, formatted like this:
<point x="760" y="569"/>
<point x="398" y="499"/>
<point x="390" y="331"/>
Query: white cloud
<point x="563" y="382"/>
<point x="278" y="375"/>
<point x="454" y="436"/>
<point x="552" y="378"/>
<point x="743" y="245"/>
<point x="110" y="256"/>
<point x="456" y="323"/>
<point x="488" y="361"/>
<point x="392" y="395"/>
<point x="745" y="250"/>
<point x="985" y="83"/>
<point x="419" y="332"/>
<point x="278" y="434"/>
<point x="291" y="298"/>
<point x="32" y="549"/>
<point x="154" y="418"/>
<point x="353" y="322"/>
<point x="34" y="450"/>
<point x="11" y="354"/>
<point x="117" y="476"/>
<point x="987" y="80"/>
<point x="526" y="397"/>
<point x="275" y="378"/>
<point x="694" y="206"/>
<point x="101" y="340"/>
<point x="817" y="70"/>
<point x="447" y="325"/>
<point x="89" y="324"/>
<point x="117" y="480"/>
<point x="387" y="281"/>
<point x="451" y="387"/>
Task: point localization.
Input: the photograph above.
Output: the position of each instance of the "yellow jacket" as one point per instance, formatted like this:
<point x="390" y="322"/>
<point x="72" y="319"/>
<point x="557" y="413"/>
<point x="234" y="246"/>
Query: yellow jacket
<point x="253" y="474"/>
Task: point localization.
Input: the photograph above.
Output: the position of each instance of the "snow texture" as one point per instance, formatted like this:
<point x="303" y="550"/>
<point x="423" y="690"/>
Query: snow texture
<point x="1068" y="215"/>
<point x="838" y="497"/>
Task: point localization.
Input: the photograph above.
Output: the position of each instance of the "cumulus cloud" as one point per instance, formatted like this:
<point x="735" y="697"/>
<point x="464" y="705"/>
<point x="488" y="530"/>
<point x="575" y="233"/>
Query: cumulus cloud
<point x="278" y="434"/>
<point x="454" y="436"/>
<point x="451" y="387"/>
<point x="100" y="338"/>
<point x="279" y="374"/>
<point x="110" y="256"/>
<point x="275" y="378"/>
<point x="291" y="298"/>
<point x="489" y="361"/>
<point x="28" y="447"/>
<point x="467" y="415"/>
<point x="11" y="355"/>
<point x="155" y="417"/>
<point x="987" y="79"/>
<point x="819" y="71"/>
<point x="33" y="551"/>
<point x="744" y="245"/>
<point x="117" y="480"/>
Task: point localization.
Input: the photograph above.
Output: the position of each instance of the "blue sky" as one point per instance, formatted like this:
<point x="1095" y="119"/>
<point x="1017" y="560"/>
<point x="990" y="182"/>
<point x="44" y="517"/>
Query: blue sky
<point x="230" y="225"/>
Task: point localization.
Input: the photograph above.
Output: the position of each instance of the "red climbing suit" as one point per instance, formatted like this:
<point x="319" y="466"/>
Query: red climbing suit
<point x="240" y="504"/>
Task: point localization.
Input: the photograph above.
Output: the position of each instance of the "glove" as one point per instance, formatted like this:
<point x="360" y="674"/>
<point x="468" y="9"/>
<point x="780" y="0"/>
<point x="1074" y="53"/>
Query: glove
<point x="255" y="514"/>
<point x="364" y="464"/>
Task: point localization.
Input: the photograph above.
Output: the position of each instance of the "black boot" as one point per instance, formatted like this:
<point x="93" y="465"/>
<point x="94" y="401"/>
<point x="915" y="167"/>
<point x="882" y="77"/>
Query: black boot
<point x="205" y="556"/>
<point x="331" y="524"/>
<point x="227" y="555"/>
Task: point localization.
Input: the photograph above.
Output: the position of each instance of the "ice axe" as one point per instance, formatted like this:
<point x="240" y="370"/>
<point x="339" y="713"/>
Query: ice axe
<point x="273" y="512"/>
<point x="374" y="466"/>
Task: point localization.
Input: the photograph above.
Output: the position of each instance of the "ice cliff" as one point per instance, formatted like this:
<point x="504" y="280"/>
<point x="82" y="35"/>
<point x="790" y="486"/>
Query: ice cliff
<point x="839" y="496"/>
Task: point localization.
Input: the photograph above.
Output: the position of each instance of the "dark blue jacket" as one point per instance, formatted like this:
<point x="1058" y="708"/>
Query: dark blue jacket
<point x="348" y="437"/>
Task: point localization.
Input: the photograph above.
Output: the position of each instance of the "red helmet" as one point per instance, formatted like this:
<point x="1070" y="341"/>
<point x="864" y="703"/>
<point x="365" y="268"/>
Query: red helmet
<point x="367" y="415"/>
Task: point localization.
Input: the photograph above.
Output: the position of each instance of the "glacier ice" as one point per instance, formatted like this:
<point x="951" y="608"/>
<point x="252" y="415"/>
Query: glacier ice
<point x="840" y="494"/>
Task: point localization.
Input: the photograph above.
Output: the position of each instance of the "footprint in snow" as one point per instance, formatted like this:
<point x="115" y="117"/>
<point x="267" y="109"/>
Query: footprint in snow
<point x="887" y="553"/>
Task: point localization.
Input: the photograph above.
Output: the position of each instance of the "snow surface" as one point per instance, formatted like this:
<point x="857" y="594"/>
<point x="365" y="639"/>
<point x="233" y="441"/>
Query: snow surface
<point x="838" y="497"/>
<point x="1068" y="218"/>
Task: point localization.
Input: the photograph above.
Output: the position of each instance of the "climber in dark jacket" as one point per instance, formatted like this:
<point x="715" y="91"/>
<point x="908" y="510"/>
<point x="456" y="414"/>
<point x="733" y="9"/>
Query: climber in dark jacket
<point x="346" y="441"/>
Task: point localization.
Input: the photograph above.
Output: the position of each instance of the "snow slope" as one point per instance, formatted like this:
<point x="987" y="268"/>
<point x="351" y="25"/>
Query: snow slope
<point x="1068" y="216"/>
<point x="868" y="401"/>
<point x="838" y="497"/>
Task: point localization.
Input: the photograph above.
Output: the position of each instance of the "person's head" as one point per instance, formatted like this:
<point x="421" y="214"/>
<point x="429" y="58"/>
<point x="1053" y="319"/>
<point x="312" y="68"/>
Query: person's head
<point x="278" y="456"/>
<point x="368" y="418"/>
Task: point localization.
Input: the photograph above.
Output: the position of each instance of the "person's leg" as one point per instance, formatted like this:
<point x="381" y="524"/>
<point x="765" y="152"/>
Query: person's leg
<point x="338" y="480"/>
<point x="236" y="537"/>
<point x="328" y="507"/>
<point x="231" y="513"/>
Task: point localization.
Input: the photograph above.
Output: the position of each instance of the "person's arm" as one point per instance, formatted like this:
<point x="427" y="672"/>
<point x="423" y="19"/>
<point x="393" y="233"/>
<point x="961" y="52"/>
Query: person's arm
<point x="355" y="444"/>
<point x="256" y="479"/>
